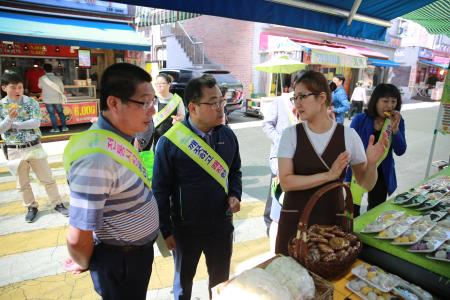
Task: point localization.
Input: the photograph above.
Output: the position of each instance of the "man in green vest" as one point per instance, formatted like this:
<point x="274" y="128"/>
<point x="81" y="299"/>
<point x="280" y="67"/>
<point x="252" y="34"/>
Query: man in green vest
<point x="197" y="183"/>
<point x="114" y="217"/>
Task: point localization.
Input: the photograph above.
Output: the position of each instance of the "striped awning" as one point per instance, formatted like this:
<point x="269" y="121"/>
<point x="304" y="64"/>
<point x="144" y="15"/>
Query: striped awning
<point x="434" y="17"/>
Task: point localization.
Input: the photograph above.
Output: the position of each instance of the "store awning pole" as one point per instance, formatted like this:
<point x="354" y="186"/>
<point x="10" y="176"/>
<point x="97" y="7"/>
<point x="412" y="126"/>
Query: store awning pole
<point x="353" y="11"/>
<point x="333" y="11"/>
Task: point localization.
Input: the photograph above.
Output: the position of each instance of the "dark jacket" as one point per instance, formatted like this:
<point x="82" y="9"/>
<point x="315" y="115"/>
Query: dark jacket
<point x="363" y="124"/>
<point x="187" y="196"/>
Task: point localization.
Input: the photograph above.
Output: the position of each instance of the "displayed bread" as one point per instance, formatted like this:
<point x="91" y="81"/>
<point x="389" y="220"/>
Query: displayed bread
<point x="328" y="243"/>
<point x="254" y="284"/>
<point x="294" y="276"/>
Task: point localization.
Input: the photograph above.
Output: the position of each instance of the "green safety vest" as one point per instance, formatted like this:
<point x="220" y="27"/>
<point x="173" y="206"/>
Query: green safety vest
<point x="164" y="113"/>
<point x="200" y="152"/>
<point x="108" y="143"/>
<point x="357" y="190"/>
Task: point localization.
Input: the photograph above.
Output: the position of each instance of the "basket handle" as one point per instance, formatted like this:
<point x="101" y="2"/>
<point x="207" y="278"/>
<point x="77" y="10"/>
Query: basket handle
<point x="304" y="218"/>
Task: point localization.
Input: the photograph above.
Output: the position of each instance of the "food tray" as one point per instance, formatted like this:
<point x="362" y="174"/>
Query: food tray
<point x="392" y="232"/>
<point x="376" y="277"/>
<point x="415" y="201"/>
<point x="431" y="244"/>
<point x="406" y="290"/>
<point x="445" y="222"/>
<point x="356" y="282"/>
<point x="445" y="247"/>
<point x="403" y="197"/>
<point x="383" y="221"/>
<point x="429" y="204"/>
<point x="418" y="236"/>
<point x="435" y="216"/>
<point x="439" y="233"/>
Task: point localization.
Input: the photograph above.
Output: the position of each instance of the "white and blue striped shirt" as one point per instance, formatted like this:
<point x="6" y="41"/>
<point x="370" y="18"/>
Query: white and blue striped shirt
<point x="111" y="200"/>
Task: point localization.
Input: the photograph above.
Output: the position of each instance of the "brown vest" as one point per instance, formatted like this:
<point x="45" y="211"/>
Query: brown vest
<point x="307" y="162"/>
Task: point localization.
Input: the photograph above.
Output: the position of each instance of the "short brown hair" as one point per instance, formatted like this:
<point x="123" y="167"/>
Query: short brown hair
<point x="316" y="83"/>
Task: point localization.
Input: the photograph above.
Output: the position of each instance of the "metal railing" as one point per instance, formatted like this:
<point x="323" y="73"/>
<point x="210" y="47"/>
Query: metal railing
<point x="193" y="49"/>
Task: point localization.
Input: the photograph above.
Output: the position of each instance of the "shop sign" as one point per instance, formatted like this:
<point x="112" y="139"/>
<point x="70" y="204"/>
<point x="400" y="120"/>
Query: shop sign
<point x="27" y="49"/>
<point x="425" y="53"/>
<point x="335" y="59"/>
<point x="86" y="5"/>
<point x="441" y="60"/>
<point x="75" y="113"/>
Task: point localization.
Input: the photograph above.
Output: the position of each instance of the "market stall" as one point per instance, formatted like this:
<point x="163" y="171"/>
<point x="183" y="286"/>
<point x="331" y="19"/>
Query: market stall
<point x="403" y="236"/>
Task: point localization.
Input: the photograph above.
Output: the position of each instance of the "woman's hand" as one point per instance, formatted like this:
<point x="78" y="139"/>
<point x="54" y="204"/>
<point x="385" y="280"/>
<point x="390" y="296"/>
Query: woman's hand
<point x="375" y="152"/>
<point x="395" y="121"/>
<point x="338" y="166"/>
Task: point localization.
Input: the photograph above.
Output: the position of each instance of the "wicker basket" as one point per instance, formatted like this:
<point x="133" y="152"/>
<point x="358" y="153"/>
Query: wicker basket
<point x="298" y="248"/>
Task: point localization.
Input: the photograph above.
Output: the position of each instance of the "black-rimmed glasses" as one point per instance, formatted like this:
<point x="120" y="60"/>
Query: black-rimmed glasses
<point x="215" y="105"/>
<point x="301" y="97"/>
<point x="145" y="105"/>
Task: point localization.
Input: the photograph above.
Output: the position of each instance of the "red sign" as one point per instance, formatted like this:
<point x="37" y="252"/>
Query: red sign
<point x="75" y="113"/>
<point x="26" y="49"/>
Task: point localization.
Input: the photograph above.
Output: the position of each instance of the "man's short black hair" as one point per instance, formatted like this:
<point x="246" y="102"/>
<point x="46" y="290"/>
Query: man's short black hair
<point x="48" y="68"/>
<point x="383" y="90"/>
<point x="193" y="91"/>
<point x="11" y="78"/>
<point x="120" y="80"/>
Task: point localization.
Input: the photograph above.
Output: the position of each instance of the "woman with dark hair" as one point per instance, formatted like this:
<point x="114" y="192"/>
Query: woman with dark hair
<point x="316" y="152"/>
<point x="382" y="115"/>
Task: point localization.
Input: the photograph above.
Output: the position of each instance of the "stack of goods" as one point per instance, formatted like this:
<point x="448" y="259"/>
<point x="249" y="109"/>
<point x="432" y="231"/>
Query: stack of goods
<point x="282" y="278"/>
<point x="372" y="283"/>
<point x="329" y="243"/>
<point x="423" y="234"/>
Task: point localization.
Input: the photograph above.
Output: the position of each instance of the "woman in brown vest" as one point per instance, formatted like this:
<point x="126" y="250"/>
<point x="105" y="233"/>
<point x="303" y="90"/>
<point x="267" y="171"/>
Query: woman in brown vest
<point x="316" y="152"/>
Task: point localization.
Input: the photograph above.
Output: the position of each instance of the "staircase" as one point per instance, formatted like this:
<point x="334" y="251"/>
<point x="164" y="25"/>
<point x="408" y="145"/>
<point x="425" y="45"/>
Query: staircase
<point x="194" y="49"/>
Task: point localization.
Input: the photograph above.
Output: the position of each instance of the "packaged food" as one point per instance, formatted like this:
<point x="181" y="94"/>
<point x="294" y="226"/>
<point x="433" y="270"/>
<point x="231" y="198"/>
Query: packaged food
<point x="429" y="204"/>
<point x="435" y="215"/>
<point x="403" y="197"/>
<point x="376" y="277"/>
<point x="392" y="231"/>
<point x="414" y="234"/>
<point x="415" y="201"/>
<point x="383" y="221"/>
<point x="409" y="291"/>
<point x="426" y="245"/>
<point x="364" y="291"/>
<point x="442" y="253"/>
<point x="445" y="222"/>
<point x="439" y="233"/>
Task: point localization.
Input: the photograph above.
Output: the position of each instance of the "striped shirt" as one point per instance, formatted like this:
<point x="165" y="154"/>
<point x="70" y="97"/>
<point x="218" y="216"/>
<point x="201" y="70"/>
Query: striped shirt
<point x="111" y="200"/>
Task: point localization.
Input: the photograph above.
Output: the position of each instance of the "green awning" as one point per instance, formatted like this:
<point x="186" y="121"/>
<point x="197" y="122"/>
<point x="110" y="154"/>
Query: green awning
<point x="435" y="17"/>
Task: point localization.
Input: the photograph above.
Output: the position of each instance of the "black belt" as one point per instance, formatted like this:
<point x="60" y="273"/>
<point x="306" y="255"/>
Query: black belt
<point x="26" y="145"/>
<point x="127" y="248"/>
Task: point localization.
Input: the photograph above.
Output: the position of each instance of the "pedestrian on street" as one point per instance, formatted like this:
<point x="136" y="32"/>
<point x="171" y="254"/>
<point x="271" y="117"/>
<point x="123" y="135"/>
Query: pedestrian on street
<point x="20" y="118"/>
<point x="197" y="182"/>
<point x="358" y="100"/>
<point x="382" y="115"/>
<point x="281" y="115"/>
<point x="53" y="97"/>
<point x="340" y="99"/>
<point x="316" y="152"/>
<point x="170" y="107"/>
<point x="114" y="217"/>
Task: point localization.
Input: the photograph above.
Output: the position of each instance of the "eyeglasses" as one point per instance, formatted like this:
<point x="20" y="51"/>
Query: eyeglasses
<point x="301" y="97"/>
<point x="145" y="105"/>
<point x="215" y="105"/>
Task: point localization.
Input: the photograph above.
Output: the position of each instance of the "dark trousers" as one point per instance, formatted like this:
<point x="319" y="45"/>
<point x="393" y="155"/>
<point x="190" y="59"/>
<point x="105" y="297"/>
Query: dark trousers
<point x="217" y="248"/>
<point x="355" y="108"/>
<point x="379" y="192"/>
<point x="51" y="113"/>
<point x="376" y="196"/>
<point x="120" y="275"/>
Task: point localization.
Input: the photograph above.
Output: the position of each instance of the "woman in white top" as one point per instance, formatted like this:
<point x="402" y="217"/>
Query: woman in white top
<point x="358" y="99"/>
<point x="316" y="152"/>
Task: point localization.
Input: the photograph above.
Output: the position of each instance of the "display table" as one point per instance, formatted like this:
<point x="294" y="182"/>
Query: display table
<point x="432" y="275"/>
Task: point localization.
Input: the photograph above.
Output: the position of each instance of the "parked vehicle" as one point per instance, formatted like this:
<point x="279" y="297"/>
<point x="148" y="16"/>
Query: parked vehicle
<point x="234" y="95"/>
